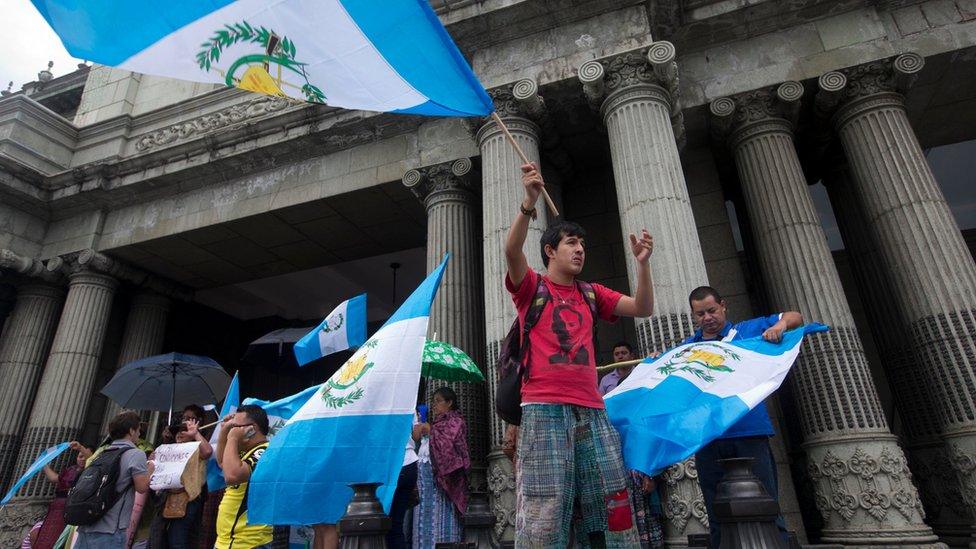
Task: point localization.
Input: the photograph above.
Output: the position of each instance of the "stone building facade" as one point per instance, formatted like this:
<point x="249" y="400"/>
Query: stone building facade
<point x="140" y="215"/>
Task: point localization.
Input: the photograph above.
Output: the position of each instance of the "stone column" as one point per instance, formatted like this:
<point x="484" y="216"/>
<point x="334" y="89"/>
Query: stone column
<point x="915" y="394"/>
<point x="502" y="192"/>
<point x="58" y="413"/>
<point x="23" y="348"/>
<point x="862" y="485"/>
<point x="145" y="328"/>
<point x="449" y="192"/>
<point x="641" y="112"/>
<point x="920" y="245"/>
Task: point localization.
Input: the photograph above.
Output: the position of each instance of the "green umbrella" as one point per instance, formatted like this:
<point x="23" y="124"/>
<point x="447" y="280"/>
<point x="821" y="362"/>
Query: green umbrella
<point x="447" y="362"/>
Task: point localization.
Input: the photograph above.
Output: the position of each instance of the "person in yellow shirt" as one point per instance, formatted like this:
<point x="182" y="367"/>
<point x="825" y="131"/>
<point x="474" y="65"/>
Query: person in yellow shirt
<point x="242" y="441"/>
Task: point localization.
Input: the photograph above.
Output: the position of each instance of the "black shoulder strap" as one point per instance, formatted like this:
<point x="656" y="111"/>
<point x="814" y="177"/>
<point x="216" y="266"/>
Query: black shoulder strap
<point x="589" y="296"/>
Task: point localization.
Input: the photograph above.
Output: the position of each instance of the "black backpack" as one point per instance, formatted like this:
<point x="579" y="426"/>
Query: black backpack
<point x="511" y="367"/>
<point x="94" y="492"/>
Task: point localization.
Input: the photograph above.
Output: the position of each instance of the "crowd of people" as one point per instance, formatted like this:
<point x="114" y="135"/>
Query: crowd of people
<point x="570" y="479"/>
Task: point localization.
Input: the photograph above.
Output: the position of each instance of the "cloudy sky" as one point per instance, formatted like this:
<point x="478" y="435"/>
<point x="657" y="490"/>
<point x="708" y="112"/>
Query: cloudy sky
<point x="28" y="45"/>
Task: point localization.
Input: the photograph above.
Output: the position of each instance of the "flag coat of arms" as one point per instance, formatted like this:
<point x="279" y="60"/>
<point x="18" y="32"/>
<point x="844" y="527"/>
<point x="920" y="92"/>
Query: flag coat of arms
<point x="389" y="56"/>
<point x="354" y="429"/>
<point x="670" y="407"/>
<point x="343" y="328"/>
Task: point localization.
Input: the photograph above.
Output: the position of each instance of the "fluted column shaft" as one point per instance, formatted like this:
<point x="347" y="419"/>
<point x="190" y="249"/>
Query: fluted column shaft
<point x="502" y="192"/>
<point x="145" y="328"/>
<point x="862" y="485"/>
<point x="59" y="409"/>
<point x="449" y="194"/>
<point x="26" y="339"/>
<point x="651" y="193"/>
<point x="914" y="392"/>
<point x="932" y="271"/>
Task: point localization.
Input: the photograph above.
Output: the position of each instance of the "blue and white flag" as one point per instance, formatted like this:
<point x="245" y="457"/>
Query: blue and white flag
<point x="343" y="328"/>
<point x="47" y="456"/>
<point x="215" y="475"/>
<point x="389" y="56"/>
<point x="671" y="406"/>
<point x="354" y="429"/>
<point x="280" y="411"/>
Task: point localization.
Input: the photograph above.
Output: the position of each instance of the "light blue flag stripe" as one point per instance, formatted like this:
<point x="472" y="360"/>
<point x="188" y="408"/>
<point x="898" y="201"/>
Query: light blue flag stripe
<point x="303" y="476"/>
<point x="668" y="423"/>
<point x="215" y="475"/>
<point x="47" y="456"/>
<point x="429" y="60"/>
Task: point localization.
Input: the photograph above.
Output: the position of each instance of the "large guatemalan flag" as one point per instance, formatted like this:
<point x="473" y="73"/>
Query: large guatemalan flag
<point x="376" y="55"/>
<point x="671" y="406"/>
<point x="354" y="429"/>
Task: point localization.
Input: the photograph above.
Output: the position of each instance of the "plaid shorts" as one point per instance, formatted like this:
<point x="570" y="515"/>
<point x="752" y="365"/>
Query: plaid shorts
<point x="570" y="472"/>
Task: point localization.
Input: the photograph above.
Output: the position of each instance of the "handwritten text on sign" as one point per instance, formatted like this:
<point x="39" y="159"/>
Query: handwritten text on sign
<point x="171" y="459"/>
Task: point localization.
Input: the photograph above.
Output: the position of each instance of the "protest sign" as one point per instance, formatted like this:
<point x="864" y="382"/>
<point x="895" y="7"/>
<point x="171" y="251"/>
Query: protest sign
<point x="171" y="460"/>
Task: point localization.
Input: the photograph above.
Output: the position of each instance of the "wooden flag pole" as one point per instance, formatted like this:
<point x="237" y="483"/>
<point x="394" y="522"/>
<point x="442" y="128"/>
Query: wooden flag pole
<point x="616" y="365"/>
<point x="525" y="159"/>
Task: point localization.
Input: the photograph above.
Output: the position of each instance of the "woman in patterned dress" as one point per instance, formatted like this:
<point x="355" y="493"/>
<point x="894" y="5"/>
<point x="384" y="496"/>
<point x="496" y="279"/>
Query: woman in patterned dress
<point x="443" y="474"/>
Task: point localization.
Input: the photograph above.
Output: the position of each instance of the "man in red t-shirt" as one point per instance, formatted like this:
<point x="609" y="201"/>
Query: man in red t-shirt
<point x="568" y="453"/>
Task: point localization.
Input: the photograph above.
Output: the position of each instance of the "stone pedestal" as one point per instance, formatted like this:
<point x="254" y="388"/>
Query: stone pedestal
<point x="502" y="192"/>
<point x="62" y="400"/>
<point x="23" y="349"/>
<point x="145" y="328"/>
<point x="863" y="488"/>
<point x="932" y="272"/>
<point x="449" y="192"/>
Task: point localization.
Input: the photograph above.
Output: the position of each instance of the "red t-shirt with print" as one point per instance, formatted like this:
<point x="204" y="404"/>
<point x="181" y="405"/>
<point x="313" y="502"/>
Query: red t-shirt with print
<point x="561" y="357"/>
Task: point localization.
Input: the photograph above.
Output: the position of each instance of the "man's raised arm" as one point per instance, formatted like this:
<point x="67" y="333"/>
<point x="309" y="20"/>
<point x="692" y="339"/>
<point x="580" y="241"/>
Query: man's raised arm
<point x="518" y="266"/>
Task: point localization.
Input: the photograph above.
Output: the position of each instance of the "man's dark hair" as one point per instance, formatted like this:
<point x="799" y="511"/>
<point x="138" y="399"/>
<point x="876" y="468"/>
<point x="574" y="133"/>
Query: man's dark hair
<point x="197" y="411"/>
<point x="623" y="344"/>
<point x="702" y="292"/>
<point x="448" y="395"/>
<point x="555" y="233"/>
<point x="256" y="414"/>
<point x="121" y="424"/>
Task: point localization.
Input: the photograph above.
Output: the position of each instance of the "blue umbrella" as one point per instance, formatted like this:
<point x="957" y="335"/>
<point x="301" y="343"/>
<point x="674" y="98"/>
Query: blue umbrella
<point x="168" y="382"/>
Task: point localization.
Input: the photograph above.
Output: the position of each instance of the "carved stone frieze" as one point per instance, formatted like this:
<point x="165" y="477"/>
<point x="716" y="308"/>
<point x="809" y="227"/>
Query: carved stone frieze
<point x="16" y="519"/>
<point x="501" y="489"/>
<point x="207" y="123"/>
<point x="963" y="463"/>
<point x="456" y="178"/>
<point x="684" y="504"/>
<point x="864" y="486"/>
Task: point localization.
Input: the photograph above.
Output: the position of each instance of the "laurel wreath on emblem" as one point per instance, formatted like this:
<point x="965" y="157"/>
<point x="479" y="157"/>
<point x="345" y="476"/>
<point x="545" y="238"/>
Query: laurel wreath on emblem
<point x="699" y="362"/>
<point x="328" y="328"/>
<point x="346" y="377"/>
<point x="278" y="50"/>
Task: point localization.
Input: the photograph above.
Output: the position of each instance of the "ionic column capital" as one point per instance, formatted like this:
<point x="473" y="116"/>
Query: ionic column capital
<point x="27" y="266"/>
<point x="454" y="180"/>
<point x="844" y="94"/>
<point x="647" y="73"/>
<point x="745" y="115"/>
